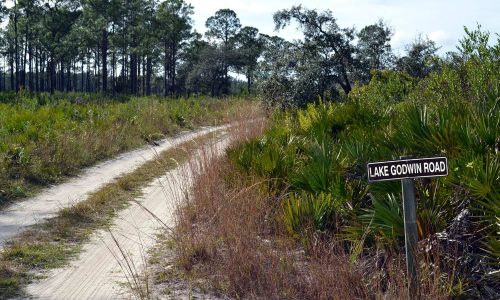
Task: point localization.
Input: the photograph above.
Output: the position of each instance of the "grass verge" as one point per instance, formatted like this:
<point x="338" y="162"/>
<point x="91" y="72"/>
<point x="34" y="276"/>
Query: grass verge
<point x="56" y="241"/>
<point x="230" y="241"/>
<point x="42" y="142"/>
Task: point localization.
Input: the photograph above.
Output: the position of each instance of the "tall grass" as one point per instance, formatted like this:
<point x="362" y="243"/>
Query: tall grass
<point x="45" y="138"/>
<point x="230" y="238"/>
<point x="290" y="214"/>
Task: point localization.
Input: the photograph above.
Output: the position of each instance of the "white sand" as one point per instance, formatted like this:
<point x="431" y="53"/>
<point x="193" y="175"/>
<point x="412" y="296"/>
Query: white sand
<point x="18" y="216"/>
<point x="97" y="274"/>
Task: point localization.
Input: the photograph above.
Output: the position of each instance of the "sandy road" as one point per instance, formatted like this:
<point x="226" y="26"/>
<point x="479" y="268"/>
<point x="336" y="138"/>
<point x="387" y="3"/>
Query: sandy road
<point x="18" y="216"/>
<point x="98" y="273"/>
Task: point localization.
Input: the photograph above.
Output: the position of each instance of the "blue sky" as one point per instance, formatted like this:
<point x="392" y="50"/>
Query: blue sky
<point x="440" y="20"/>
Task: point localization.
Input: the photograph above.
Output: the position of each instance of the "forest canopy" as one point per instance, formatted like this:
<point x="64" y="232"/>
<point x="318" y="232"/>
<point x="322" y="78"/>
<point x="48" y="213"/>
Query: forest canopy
<point x="150" y="47"/>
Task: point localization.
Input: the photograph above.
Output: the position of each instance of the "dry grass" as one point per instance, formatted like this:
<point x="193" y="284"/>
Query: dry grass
<point x="56" y="241"/>
<point x="232" y="236"/>
<point x="229" y="240"/>
<point x="44" y="144"/>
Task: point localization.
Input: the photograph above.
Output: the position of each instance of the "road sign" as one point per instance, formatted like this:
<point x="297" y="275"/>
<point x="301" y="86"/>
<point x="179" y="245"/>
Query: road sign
<point x="407" y="168"/>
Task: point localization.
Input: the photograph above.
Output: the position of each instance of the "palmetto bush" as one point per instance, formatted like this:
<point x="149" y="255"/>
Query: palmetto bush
<point x="271" y="157"/>
<point x="319" y="170"/>
<point x="482" y="181"/>
<point x="306" y="213"/>
<point x="385" y="219"/>
<point x="320" y="155"/>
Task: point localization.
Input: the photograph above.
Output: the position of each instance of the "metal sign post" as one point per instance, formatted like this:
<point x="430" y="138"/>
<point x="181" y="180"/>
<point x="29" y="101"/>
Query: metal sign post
<point x="405" y="170"/>
<point x="411" y="235"/>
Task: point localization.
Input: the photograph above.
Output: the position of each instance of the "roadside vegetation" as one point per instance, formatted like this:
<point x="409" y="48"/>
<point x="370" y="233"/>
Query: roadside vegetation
<point x="45" y="138"/>
<point x="289" y="214"/>
<point x="56" y="241"/>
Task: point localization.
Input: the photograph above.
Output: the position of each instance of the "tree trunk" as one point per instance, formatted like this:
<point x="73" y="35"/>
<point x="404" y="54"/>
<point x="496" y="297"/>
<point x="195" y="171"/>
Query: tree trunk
<point x="88" y="74"/>
<point x="16" y="46"/>
<point x="113" y="66"/>
<point x="83" y="76"/>
<point x="41" y="79"/>
<point x="4" y="73"/>
<point x="52" y="74"/>
<point x="30" y="68"/>
<point x="144" y="71"/>
<point x="133" y="73"/>
<point x="62" y="83"/>
<point x="346" y="86"/>
<point x="74" y="88"/>
<point x="104" y="60"/>
<point x="12" y="80"/>
<point x="138" y="84"/>
<point x="148" y="76"/>
<point x="97" y="71"/>
<point x="68" y="79"/>
<point x="165" y="71"/>
<point x="36" y="71"/>
<point x="173" y="65"/>
<point x="249" y="81"/>
<point x="25" y="58"/>
<point x="113" y="74"/>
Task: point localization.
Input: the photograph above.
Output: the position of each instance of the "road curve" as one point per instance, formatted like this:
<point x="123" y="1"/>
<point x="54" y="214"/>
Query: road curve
<point x="98" y="272"/>
<point x="19" y="215"/>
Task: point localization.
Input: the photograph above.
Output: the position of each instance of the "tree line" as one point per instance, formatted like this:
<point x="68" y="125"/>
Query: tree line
<point x="149" y="47"/>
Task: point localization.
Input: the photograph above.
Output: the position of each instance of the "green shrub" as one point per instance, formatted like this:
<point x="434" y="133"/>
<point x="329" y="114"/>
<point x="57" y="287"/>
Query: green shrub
<point x="453" y="112"/>
<point x="45" y="137"/>
<point x="306" y="213"/>
<point x="319" y="170"/>
<point x="385" y="219"/>
<point x="385" y="87"/>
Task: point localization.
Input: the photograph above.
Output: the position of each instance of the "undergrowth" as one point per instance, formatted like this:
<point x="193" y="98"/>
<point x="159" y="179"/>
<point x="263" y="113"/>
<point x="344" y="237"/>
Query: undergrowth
<point x="55" y="242"/>
<point x="45" y="138"/>
<point x="289" y="214"/>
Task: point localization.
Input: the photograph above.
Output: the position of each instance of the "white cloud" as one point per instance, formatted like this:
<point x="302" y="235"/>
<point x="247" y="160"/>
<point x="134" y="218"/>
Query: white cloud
<point x="439" y="36"/>
<point x="442" y="21"/>
<point x="399" y="40"/>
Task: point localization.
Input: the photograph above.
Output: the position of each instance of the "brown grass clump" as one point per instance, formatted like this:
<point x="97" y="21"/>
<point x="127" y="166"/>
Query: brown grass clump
<point x="230" y="234"/>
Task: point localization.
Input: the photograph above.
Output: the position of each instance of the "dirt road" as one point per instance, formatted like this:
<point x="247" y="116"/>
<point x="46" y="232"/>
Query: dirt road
<point x="18" y="216"/>
<point x="101" y="270"/>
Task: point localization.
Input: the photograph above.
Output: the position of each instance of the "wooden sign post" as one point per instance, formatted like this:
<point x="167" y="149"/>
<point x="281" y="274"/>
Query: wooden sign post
<point x="406" y="170"/>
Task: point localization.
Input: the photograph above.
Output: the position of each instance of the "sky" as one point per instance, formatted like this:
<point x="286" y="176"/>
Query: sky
<point x="440" y="20"/>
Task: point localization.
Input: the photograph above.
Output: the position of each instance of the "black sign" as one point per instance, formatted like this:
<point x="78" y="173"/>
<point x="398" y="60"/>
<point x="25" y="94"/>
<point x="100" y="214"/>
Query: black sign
<point x="408" y="168"/>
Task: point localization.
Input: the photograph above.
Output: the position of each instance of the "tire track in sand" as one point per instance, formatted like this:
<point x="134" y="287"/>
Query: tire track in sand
<point x="97" y="274"/>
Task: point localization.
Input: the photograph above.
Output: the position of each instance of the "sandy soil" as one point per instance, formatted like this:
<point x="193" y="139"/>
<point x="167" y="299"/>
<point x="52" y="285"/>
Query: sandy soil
<point x="18" y="216"/>
<point x="102" y="269"/>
